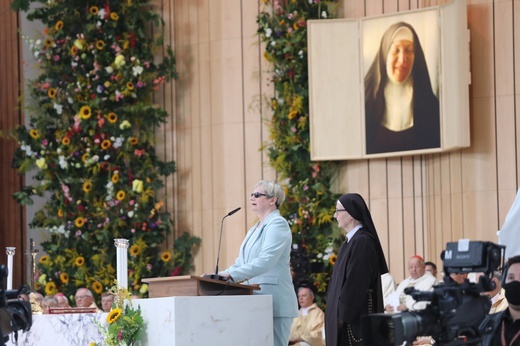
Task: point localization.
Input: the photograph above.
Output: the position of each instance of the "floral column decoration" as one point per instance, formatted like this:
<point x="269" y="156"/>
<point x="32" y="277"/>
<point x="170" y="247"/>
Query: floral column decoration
<point x="90" y="138"/>
<point x="282" y="26"/>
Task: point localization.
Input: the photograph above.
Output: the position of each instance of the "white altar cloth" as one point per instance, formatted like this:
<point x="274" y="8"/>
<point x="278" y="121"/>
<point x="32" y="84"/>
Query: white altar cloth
<point x="173" y="321"/>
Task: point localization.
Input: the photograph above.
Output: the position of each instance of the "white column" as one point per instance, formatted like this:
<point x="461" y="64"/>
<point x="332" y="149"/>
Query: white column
<point x="10" y="253"/>
<point x="122" y="262"/>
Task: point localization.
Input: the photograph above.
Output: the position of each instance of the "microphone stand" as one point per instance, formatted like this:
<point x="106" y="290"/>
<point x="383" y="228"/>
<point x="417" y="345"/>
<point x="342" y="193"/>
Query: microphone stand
<point x="216" y="276"/>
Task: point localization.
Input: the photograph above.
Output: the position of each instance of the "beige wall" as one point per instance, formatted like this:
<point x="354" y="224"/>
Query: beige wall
<point x="418" y="203"/>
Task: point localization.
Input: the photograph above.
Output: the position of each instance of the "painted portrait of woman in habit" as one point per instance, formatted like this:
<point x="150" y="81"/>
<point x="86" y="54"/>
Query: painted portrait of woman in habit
<point x="401" y="108"/>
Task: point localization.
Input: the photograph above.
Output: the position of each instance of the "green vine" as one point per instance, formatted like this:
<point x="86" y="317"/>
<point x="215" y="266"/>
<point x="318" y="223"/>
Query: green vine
<point x="310" y="203"/>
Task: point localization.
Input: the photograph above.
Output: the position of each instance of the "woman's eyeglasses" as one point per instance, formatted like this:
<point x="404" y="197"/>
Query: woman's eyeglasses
<point x="258" y="194"/>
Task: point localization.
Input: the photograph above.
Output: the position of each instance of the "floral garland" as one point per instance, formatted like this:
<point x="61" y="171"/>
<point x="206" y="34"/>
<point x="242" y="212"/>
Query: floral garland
<point x="91" y="139"/>
<point x="311" y="203"/>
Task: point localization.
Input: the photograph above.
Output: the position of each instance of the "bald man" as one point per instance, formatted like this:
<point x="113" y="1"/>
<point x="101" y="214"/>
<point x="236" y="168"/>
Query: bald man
<point x="420" y="279"/>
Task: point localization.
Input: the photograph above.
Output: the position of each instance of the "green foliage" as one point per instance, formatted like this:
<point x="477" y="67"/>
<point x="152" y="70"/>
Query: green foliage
<point x="310" y="203"/>
<point x="90" y="140"/>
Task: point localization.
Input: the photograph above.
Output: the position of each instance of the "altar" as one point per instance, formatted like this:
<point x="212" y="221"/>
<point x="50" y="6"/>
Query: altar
<point x="174" y="321"/>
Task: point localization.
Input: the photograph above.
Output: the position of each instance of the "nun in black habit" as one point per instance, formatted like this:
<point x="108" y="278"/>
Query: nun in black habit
<point x="355" y="285"/>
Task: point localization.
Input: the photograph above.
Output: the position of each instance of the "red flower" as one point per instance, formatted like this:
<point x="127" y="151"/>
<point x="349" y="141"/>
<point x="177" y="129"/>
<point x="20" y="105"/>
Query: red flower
<point x="176" y="271"/>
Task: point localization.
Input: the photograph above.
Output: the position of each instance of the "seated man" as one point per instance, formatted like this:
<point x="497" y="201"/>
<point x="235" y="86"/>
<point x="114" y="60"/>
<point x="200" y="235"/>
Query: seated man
<point x="506" y="323"/>
<point x="420" y="279"/>
<point x="498" y="299"/>
<point x="85" y="299"/>
<point x="63" y="302"/>
<point x="431" y="267"/>
<point x="106" y="301"/>
<point x="47" y="303"/>
<point x="307" y="328"/>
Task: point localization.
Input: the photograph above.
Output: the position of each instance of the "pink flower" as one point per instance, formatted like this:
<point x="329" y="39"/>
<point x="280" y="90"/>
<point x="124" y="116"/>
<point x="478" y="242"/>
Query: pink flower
<point x="120" y="335"/>
<point x="56" y="57"/>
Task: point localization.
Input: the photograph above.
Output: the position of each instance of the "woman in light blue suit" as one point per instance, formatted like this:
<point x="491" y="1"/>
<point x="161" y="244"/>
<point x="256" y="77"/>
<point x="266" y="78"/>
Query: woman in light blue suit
<point x="264" y="258"/>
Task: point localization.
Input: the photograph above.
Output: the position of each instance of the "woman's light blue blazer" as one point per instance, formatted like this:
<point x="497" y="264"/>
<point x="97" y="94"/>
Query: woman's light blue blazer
<point x="264" y="259"/>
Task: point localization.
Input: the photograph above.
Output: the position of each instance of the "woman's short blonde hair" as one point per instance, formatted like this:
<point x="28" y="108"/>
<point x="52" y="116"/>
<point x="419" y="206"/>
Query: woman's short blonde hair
<point x="272" y="189"/>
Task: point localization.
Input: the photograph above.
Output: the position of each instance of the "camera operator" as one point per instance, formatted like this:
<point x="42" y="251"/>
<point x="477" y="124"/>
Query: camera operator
<point x="506" y="327"/>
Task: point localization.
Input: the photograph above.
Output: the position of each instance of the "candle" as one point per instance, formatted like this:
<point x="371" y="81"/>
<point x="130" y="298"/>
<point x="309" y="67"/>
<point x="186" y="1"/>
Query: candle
<point x="10" y="253"/>
<point x="122" y="262"/>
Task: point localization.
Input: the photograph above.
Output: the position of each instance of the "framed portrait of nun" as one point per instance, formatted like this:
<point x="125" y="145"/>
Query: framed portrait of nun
<point x="394" y="85"/>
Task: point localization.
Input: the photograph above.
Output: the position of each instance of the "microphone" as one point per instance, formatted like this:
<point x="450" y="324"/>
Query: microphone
<point x="216" y="276"/>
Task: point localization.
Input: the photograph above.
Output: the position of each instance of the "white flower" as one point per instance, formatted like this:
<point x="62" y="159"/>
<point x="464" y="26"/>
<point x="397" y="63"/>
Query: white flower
<point x="38" y="42"/>
<point x="137" y="70"/>
<point x="63" y="162"/>
<point x="323" y="14"/>
<point x="58" y="108"/>
<point x="118" y="142"/>
<point x="101" y="13"/>
<point x="130" y="214"/>
<point x="109" y="69"/>
<point x="268" y="32"/>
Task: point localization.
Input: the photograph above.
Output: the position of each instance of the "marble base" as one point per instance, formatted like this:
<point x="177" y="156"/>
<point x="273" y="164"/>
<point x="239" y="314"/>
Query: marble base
<point x="173" y="321"/>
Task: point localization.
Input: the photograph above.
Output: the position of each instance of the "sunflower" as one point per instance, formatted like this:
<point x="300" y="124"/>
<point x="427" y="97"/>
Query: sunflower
<point x="44" y="259"/>
<point x="97" y="287"/>
<point x="80" y="261"/>
<point x="133" y="140"/>
<point x="292" y="114"/>
<point x="115" y="178"/>
<point x="64" y="277"/>
<point x="48" y="42"/>
<point x="60" y="212"/>
<point x="50" y="288"/>
<point x="332" y="259"/>
<point x="114" y="16"/>
<point x="135" y="250"/>
<point x="166" y="256"/>
<point x="51" y="93"/>
<point x="79" y="222"/>
<point x="85" y="112"/>
<point x="100" y="45"/>
<point x="112" y="117"/>
<point x="130" y="86"/>
<point x="87" y="186"/>
<point x="34" y="133"/>
<point x="84" y="157"/>
<point x="73" y="50"/>
<point x="114" y="315"/>
<point x="120" y="195"/>
<point x="65" y="141"/>
<point x="94" y="10"/>
<point x="59" y="25"/>
<point x="79" y="97"/>
<point x="106" y="144"/>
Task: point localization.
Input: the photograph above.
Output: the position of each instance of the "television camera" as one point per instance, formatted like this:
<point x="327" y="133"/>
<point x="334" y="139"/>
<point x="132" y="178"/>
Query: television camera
<point x="455" y="313"/>
<point x="15" y="314"/>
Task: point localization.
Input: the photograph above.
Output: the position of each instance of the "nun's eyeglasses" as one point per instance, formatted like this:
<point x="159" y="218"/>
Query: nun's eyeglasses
<point x="258" y="194"/>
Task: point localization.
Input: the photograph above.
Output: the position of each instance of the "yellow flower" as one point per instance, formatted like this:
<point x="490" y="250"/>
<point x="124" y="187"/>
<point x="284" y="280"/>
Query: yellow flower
<point x="114" y="315"/>
<point x="166" y="256"/>
<point x="97" y="287"/>
<point x="51" y="93"/>
<point x="292" y="114"/>
<point x="120" y="195"/>
<point x="64" y="277"/>
<point x="44" y="259"/>
<point x="59" y="25"/>
<point x="119" y="61"/>
<point x="133" y="140"/>
<point x="48" y="42"/>
<point x="125" y="125"/>
<point x="135" y="250"/>
<point x="274" y="104"/>
<point x="114" y="16"/>
<point x="34" y="133"/>
<point x="41" y="163"/>
<point x="106" y="144"/>
<point x="80" y="261"/>
<point x="85" y="112"/>
<point x="100" y="45"/>
<point x="332" y="259"/>
<point x="50" y="288"/>
<point x="73" y="50"/>
<point x="115" y="178"/>
<point x="79" y="44"/>
<point x="112" y="117"/>
<point x="130" y="86"/>
<point x="60" y="212"/>
<point x="137" y="185"/>
<point x="94" y="10"/>
<point x="295" y="26"/>
<point x="65" y="141"/>
<point x="84" y="157"/>
<point x="79" y="222"/>
<point x="87" y="186"/>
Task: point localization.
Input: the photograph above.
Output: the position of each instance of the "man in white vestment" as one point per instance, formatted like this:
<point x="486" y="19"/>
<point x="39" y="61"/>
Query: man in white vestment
<point x="420" y="279"/>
